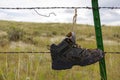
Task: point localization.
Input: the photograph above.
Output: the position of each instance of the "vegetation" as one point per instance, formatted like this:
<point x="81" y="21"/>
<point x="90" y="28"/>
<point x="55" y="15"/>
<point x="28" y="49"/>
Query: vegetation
<point x="21" y="36"/>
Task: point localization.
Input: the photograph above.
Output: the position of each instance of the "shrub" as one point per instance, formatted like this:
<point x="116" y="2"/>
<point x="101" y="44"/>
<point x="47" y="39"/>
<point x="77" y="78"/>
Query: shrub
<point x="54" y="33"/>
<point x="3" y="39"/>
<point x="27" y="39"/>
<point x="15" y="34"/>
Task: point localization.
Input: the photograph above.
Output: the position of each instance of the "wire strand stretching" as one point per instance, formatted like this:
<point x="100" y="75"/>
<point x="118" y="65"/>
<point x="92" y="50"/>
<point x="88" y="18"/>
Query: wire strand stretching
<point x="45" y="52"/>
<point x="24" y="52"/>
<point x="19" y="8"/>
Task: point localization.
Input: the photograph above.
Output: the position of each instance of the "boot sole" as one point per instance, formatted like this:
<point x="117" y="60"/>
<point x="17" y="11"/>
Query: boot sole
<point x="60" y="65"/>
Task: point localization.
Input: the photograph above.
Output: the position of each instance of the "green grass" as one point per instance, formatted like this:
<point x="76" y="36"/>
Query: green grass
<point x="21" y="36"/>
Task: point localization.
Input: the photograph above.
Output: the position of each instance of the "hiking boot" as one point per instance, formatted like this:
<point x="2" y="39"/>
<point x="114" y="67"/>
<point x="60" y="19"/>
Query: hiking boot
<point x="66" y="54"/>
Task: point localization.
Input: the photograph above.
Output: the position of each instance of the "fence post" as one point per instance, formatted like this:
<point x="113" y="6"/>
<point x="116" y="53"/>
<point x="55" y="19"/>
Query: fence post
<point x="99" y="39"/>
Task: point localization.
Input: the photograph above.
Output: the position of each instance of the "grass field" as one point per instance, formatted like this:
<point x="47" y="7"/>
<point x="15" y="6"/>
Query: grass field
<point x="21" y="36"/>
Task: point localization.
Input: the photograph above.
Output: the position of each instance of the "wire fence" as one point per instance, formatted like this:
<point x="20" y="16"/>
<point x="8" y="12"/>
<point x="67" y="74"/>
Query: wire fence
<point x="48" y="52"/>
<point x="19" y="8"/>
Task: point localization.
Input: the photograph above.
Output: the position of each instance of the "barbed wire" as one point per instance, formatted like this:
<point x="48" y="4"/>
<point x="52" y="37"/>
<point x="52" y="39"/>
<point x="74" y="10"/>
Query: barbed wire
<point x="25" y="52"/>
<point x="113" y="52"/>
<point x="19" y="8"/>
<point x="45" y="52"/>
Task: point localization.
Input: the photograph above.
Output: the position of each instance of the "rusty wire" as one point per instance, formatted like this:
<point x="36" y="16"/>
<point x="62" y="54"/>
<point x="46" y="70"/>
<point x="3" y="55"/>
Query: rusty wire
<point x="43" y="52"/>
<point x="19" y="8"/>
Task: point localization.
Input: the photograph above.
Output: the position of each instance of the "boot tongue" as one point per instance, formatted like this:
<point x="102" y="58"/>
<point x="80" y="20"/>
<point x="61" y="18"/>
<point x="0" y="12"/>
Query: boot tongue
<point x="71" y="36"/>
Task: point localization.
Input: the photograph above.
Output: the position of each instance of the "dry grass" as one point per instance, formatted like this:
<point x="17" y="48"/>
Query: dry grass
<point x="36" y="36"/>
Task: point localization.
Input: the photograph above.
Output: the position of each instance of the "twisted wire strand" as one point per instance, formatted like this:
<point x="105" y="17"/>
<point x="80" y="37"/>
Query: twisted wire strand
<point x="46" y="52"/>
<point x="19" y="8"/>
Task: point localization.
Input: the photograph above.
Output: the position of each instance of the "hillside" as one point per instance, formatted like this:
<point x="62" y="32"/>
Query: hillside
<point x="24" y="36"/>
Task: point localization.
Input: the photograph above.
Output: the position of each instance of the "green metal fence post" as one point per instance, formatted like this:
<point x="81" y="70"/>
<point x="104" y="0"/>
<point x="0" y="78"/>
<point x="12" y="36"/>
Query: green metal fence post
<point x="99" y="39"/>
